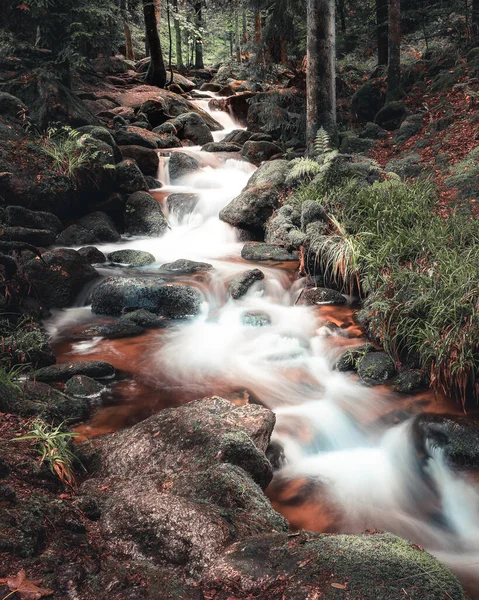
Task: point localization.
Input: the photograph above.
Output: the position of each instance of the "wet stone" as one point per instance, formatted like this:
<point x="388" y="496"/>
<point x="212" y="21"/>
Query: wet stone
<point x="375" y="368"/>
<point x="241" y="284"/>
<point x="131" y="258"/>
<point x="97" y="369"/>
<point x="145" y="318"/>
<point x="255" y="319"/>
<point x="186" y="266"/>
<point x="92" y="255"/>
<point x="110" y="331"/>
<point x="319" y="295"/>
<point x="81" y="386"/>
<point x="260" y="252"/>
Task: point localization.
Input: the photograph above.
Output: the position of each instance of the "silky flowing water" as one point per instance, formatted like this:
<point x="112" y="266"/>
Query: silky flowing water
<point x="347" y="467"/>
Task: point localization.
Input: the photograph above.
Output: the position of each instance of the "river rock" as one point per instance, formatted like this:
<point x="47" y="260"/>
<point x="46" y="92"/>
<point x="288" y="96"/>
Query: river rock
<point x="118" y="294"/>
<point x="146" y="158"/>
<point x="221" y="147"/>
<point x="166" y="128"/>
<point x="76" y="235"/>
<point x="143" y="216"/>
<point x="255" y="319"/>
<point x="101" y="226"/>
<point x="111" y="331"/>
<point x="18" y="216"/>
<point x="103" y="135"/>
<point x="35" y="237"/>
<point x="186" y="266"/>
<point x="181" y="205"/>
<point x="129" y="178"/>
<point x="375" y="368"/>
<point x="318" y="295"/>
<point x="258" y="152"/>
<point x="96" y="369"/>
<point x="166" y="141"/>
<point x="457" y="436"/>
<point x="145" y="318"/>
<point x="242" y="283"/>
<point x="409" y="381"/>
<point x="191" y="126"/>
<point x="156" y="110"/>
<point x="348" y="361"/>
<point x="27" y="343"/>
<point x="238" y="136"/>
<point x="136" y="136"/>
<point x="256" y="251"/>
<point x="306" y="566"/>
<point x="259" y="199"/>
<point x="59" y="277"/>
<point x="92" y="255"/>
<point x="41" y="400"/>
<point x="201" y="467"/>
<point x="81" y="386"/>
<point x="181" y="165"/>
<point x="132" y="258"/>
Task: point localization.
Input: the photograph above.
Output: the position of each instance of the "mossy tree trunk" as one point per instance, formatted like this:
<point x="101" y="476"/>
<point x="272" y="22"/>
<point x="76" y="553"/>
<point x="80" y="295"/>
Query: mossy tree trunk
<point x="179" y="48"/>
<point x="382" y="10"/>
<point x="199" y="64"/>
<point x="394" y="62"/>
<point x="321" y="72"/>
<point x="156" y="74"/>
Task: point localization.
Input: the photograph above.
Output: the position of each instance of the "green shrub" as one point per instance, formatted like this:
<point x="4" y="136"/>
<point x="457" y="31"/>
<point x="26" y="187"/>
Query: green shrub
<point x="416" y="271"/>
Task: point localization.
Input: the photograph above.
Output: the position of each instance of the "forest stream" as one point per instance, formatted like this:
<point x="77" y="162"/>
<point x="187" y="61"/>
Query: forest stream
<point x="347" y="465"/>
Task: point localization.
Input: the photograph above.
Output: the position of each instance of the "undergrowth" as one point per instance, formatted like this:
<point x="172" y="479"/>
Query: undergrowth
<point x="416" y="271"/>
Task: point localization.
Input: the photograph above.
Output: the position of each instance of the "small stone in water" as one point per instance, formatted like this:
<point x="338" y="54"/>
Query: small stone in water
<point x="255" y="319"/>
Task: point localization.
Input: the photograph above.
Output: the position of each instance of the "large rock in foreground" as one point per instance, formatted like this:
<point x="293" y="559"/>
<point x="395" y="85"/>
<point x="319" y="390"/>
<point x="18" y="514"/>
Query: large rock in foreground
<point x="259" y="199"/>
<point x="305" y="565"/>
<point x="116" y="295"/>
<point x="59" y="276"/>
<point x="202" y="467"/>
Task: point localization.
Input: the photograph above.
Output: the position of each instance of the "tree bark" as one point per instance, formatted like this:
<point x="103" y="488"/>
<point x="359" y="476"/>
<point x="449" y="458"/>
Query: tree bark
<point x="245" y="27"/>
<point x="156" y="74"/>
<point x="382" y="31"/>
<point x="237" y="35"/>
<point x="258" y="33"/>
<point x="321" y="70"/>
<point x="394" y="63"/>
<point x="475" y="17"/>
<point x="199" y="64"/>
<point x="179" y="49"/>
<point x="130" y="55"/>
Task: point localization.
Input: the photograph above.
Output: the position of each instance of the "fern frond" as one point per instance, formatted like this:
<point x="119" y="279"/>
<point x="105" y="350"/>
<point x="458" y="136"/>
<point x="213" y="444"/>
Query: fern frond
<point x="322" y="141"/>
<point x="303" y="168"/>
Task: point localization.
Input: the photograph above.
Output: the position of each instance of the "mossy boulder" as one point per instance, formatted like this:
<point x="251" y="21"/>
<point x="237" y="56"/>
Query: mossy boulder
<point x="409" y="381"/>
<point x="375" y="368"/>
<point x="191" y="126"/>
<point x="146" y="158"/>
<point x="406" y="166"/>
<point x="349" y="360"/>
<point x="258" y="252"/>
<point x="184" y="266"/>
<point x="145" y="318"/>
<point x="110" y="331"/>
<point x="81" y="386"/>
<point x="257" y="152"/>
<point x="143" y="216"/>
<point x="129" y="178"/>
<point x="353" y="144"/>
<point x="41" y="400"/>
<point x="116" y="295"/>
<point x="318" y="295"/>
<point x="373" y="131"/>
<point x="243" y="282"/>
<point x="131" y="258"/>
<point x="372" y="566"/>
<point x="182" y="165"/>
<point x="96" y="369"/>
<point x="391" y="115"/>
<point x="409" y="127"/>
<point x="457" y="436"/>
<point x="18" y="216"/>
<point x="368" y="99"/>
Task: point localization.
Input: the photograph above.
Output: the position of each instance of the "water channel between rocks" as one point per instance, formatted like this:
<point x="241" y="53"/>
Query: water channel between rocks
<point x="348" y="467"/>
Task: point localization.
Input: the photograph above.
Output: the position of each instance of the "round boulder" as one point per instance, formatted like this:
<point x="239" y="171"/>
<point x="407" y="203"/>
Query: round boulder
<point x="146" y="158"/>
<point x="143" y="216"/>
<point x="132" y="258"/>
<point x="258" y="152"/>
<point x="129" y="178"/>
<point x="375" y="368"/>
<point x="182" y="164"/>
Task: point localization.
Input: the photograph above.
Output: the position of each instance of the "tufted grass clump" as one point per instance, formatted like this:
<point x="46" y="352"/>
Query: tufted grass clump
<point x="416" y="272"/>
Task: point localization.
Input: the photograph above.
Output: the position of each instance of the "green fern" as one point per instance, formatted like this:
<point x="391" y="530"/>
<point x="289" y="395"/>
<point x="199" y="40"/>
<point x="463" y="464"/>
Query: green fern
<point x="322" y="142"/>
<point x="303" y="168"/>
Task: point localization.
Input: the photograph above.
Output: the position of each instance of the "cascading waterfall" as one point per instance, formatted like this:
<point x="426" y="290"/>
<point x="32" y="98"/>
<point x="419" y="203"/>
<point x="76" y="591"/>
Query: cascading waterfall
<point x="348" y="470"/>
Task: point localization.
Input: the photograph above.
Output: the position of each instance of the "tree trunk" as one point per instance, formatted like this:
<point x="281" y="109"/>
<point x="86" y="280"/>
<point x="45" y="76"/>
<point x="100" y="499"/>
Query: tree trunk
<point x="320" y="76"/>
<point x="199" y="38"/>
<point x="156" y="74"/>
<point x="394" y="63"/>
<point x="258" y="34"/>
<point x="475" y="17"/>
<point x="342" y="15"/>
<point x="382" y="31"/>
<point x="179" y="49"/>
<point x="245" y="27"/>
<point x="237" y="35"/>
<point x="130" y="55"/>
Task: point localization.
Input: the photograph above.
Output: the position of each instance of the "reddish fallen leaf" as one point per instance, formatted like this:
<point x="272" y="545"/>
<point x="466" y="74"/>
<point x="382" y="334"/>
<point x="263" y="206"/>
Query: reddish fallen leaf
<point x="418" y="547"/>
<point x="338" y="586"/>
<point x="24" y="7"/>
<point x="26" y="589"/>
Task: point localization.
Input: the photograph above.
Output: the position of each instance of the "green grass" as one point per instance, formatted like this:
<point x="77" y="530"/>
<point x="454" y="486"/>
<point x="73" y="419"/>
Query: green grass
<point x="417" y="274"/>
<point x="53" y="445"/>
